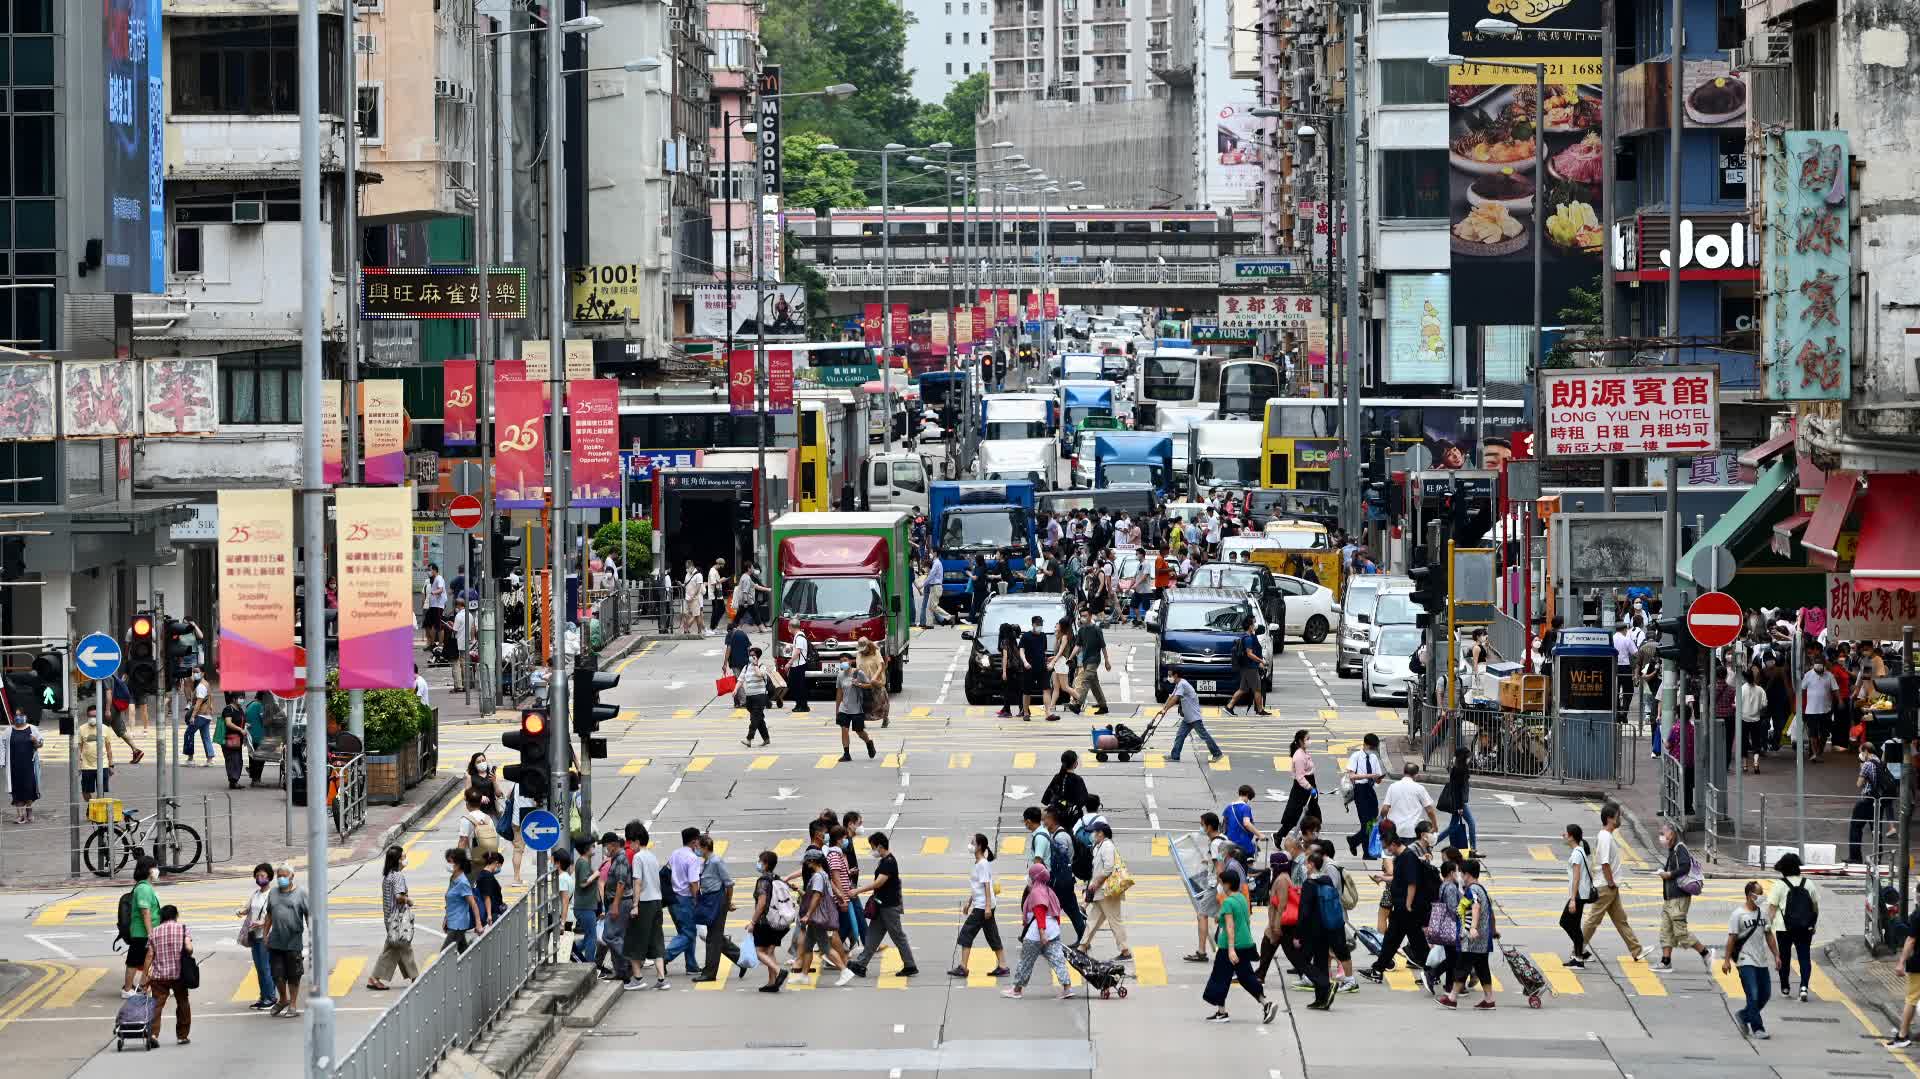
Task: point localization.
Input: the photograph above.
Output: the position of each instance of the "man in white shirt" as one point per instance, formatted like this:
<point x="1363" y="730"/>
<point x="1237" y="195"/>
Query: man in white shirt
<point x="436" y="603"/>
<point x="465" y="622"/>
<point x="420" y="689"/>
<point x="717" y="589"/>
<point x="1408" y="801"/>
<point x="1365" y="770"/>
<point x="1818" y="690"/>
<point x="1607" y="858"/>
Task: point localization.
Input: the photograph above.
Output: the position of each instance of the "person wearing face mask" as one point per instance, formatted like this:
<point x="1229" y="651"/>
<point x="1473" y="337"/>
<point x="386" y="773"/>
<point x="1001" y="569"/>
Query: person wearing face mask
<point x="253" y="922"/>
<point x="20" y="761"/>
<point x="850" y="709"/>
<point x="396" y="913"/>
<point x="287" y="916"/>
<point x="462" y="910"/>
<point x="1675" y="902"/>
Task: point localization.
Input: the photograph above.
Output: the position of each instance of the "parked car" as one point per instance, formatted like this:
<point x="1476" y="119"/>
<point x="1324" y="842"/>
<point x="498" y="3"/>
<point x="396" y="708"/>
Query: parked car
<point x="1195" y="635"/>
<point x="1387" y="674"/>
<point x="983" y="682"/>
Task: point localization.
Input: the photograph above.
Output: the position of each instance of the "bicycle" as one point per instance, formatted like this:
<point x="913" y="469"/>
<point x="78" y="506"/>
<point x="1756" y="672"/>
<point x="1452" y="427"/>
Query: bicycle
<point x="110" y="846"/>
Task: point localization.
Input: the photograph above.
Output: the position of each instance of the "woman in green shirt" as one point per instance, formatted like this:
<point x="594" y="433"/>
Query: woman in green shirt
<point x="1233" y="960"/>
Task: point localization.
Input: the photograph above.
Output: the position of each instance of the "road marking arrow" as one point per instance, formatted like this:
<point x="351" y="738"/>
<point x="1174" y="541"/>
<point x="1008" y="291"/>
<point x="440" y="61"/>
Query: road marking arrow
<point x="1276" y="794"/>
<point x="1505" y="799"/>
<point x="786" y="794"/>
<point x="1019" y="794"/>
<point x="673" y="685"/>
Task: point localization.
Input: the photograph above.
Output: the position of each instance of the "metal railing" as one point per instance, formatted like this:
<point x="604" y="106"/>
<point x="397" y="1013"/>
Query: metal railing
<point x="41" y="852"/>
<point x="1522" y="745"/>
<point x="1835" y="821"/>
<point x="458" y="995"/>
<point x="347" y="793"/>
<point x="934" y="275"/>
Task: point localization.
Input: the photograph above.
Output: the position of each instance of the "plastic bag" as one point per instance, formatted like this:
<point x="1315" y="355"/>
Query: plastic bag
<point x="724" y="685"/>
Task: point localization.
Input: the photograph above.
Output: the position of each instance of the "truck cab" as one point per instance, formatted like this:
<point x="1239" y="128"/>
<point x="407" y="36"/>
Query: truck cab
<point x="981" y="517"/>
<point x="896" y="480"/>
<point x="1133" y="457"/>
<point x="1223" y="453"/>
<point x="1035" y="460"/>
<point x="841" y="577"/>
<point x="1016" y="415"/>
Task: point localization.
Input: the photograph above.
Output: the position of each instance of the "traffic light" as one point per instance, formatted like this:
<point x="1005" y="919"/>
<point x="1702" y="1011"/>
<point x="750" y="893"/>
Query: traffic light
<point x="506" y="551"/>
<point x="1677" y="643"/>
<point x="182" y="649"/>
<point x="1472" y="520"/>
<point x="25" y="693"/>
<point x="143" y="674"/>
<point x="1905" y="691"/>
<point x="1430" y="592"/>
<point x="531" y="774"/>
<point x="588" y="713"/>
<point x="51" y="669"/>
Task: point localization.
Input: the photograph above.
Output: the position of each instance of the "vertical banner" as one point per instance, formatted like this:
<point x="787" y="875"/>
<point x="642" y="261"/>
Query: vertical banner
<point x="1033" y="306"/>
<point x="462" y="415"/>
<point x="901" y="324"/>
<point x="1051" y="303"/>
<point x="1003" y="306"/>
<point x="332" y="433"/>
<point x="509" y="370"/>
<point x="937" y="329"/>
<point x="593" y="416"/>
<point x="256" y="590"/>
<point x="769" y="136"/>
<point x="519" y="448"/>
<point x="980" y="323"/>
<point x="383" y="421"/>
<point x="1809" y="308"/>
<point x="870" y="329"/>
<point x="963" y="325"/>
<point x="740" y="382"/>
<point x="375" y="528"/>
<point x="780" y="381"/>
<point x="1489" y="189"/>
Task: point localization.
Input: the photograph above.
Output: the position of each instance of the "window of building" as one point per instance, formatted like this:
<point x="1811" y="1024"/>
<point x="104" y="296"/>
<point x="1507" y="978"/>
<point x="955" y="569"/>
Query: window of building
<point x="949" y="65"/>
<point x="260" y="387"/>
<point x="715" y="116"/>
<point x="966" y="69"/>
<point x="729" y="49"/>
<point x="741" y="187"/>
<point x="966" y="38"/>
<point x="1413" y="183"/>
<point x="282" y="203"/>
<point x="949" y="7"/>
<point x="368" y="115"/>
<point x="87" y="466"/>
<point x="949" y="37"/>
<point x="186" y="249"/>
<point x="29" y="158"/>
<point x="37" y="462"/>
<point x="1412" y="82"/>
<point x="244" y="66"/>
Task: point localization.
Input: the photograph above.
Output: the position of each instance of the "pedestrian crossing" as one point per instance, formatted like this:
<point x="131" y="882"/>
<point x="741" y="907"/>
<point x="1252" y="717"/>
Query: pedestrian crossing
<point x="918" y="761"/>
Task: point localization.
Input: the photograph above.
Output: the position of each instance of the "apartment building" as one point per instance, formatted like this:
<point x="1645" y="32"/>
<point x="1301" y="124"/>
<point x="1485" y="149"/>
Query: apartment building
<point x="947" y="41"/>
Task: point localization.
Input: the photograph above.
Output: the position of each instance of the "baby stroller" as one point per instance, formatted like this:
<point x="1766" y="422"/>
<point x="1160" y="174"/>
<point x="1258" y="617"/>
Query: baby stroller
<point x="1104" y="975"/>
<point x="1532" y="983"/>
<point x="1121" y="741"/>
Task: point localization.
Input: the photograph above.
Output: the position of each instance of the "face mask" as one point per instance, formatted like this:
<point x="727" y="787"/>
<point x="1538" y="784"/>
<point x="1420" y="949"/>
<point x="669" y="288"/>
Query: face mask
<point x="286" y="882"/>
<point x="261" y="882"/>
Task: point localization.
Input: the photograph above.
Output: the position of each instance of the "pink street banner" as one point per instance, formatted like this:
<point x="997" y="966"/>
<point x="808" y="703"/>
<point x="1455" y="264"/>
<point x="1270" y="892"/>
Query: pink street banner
<point x="593" y="415"/>
<point x="332" y="433"/>
<point x="256" y="590"/>
<point x="383" y="425"/>
<point x="462" y="427"/>
<point x="375" y="528"/>
<point x="519" y="457"/>
<point x="780" y="381"/>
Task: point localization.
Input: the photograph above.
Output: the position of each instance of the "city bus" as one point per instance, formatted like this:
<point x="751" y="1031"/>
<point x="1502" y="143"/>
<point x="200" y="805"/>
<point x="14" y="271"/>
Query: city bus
<point x="1300" y="435"/>
<point x="829" y="447"/>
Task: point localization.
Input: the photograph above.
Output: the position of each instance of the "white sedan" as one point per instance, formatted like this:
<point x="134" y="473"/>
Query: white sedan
<point x="1386" y="673"/>
<point x="1309" y="608"/>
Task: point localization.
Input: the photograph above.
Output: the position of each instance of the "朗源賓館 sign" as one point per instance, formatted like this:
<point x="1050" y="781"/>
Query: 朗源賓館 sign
<point x="1608" y="411"/>
<point x="1806" y="308"/>
<point x="1876" y="615"/>
<point x="1268" y="311"/>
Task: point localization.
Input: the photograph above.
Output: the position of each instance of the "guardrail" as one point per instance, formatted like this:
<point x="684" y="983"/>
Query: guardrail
<point x="458" y="995"/>
<point x="934" y="275"/>
<point x="347" y="793"/>
<point x="1523" y="745"/>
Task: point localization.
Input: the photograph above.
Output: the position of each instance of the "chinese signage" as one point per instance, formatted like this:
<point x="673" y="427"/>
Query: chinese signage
<point x="27" y="402"/>
<point x="333" y="433"/>
<point x="606" y="294"/>
<point x="740" y="382"/>
<point x="1808" y="298"/>
<point x="899" y="324"/>
<point x="1419" y="329"/>
<point x="1268" y="311"/>
<point x="842" y="375"/>
<point x="593" y="416"/>
<point x="578" y="364"/>
<point x="462" y="416"/>
<point x="133" y="258"/>
<point x="519" y="463"/>
<point x="1874" y="614"/>
<point x="642" y="464"/>
<point x="440" y="292"/>
<point x="96" y="399"/>
<point x="383" y="420"/>
<point x="780" y="381"/>
<point x="376" y="586"/>
<point x="256" y="589"/>
<point x="181" y="395"/>
<point x="1732" y="164"/>
<point x="1617" y="411"/>
<point x="963" y="325"/>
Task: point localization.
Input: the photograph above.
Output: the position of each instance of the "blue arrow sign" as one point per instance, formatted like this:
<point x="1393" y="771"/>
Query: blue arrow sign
<point x="98" y="656"/>
<point x="542" y="830"/>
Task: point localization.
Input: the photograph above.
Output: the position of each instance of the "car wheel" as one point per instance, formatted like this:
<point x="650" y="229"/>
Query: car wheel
<point x="1366" y="692"/>
<point x="1316" y="630"/>
<point x="1160" y="692"/>
<point x="973" y="697"/>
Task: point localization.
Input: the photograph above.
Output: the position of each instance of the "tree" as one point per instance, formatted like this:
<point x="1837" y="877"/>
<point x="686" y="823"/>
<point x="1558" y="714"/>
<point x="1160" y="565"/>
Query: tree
<point x="952" y="120"/>
<point x="821" y="42"/>
<point x="1584" y="310"/>
<point x="815" y="179"/>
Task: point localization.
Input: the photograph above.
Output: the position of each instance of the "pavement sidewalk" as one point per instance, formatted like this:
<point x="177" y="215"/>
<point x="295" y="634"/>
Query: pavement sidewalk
<point x="243" y="827"/>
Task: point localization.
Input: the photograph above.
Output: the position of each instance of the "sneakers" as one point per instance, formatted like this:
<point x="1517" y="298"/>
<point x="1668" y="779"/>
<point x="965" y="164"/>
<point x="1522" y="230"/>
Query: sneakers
<point x="1803" y="994"/>
<point x="1349" y="985"/>
<point x="1302" y="983"/>
<point x="1372" y="975"/>
<point x="957" y="972"/>
<point x="1706" y="959"/>
<point x="1574" y="962"/>
<point x="662" y="984"/>
<point x="1761" y="1035"/>
<point x="845" y="977"/>
<point x="1899" y="1041"/>
<point x="871" y="751"/>
<point x="1268" y="1009"/>
<point x="1664" y="966"/>
<point x="905" y="972"/>
<point x="1641" y="955"/>
<point x="632" y="984"/>
<point x="1484" y="1006"/>
<point x="1446" y="1002"/>
<point x="846" y="755"/>
<point x="1013" y="994"/>
<point x="1218" y="1017"/>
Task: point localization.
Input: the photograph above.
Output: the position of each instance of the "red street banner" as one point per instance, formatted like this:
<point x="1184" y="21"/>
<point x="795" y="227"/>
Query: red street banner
<point x="519" y="460"/>
<point x="1052" y="303"/>
<point x="509" y="370"/>
<point x="980" y="323"/>
<point x="986" y="297"/>
<point x="901" y="323"/>
<point x="593" y="415"/>
<point x="1003" y="304"/>
<point x="256" y="589"/>
<point x="383" y="432"/>
<point x="780" y="381"/>
<point x="462" y="426"/>
<point x="740" y="381"/>
<point x="1033" y="307"/>
<point x="870" y="323"/>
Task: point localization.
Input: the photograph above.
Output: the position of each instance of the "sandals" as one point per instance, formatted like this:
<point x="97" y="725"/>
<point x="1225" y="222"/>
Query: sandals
<point x="1197" y="957"/>
<point x="378" y="987"/>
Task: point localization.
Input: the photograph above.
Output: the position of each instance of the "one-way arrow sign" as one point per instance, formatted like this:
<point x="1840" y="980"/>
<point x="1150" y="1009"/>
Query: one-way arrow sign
<point x="97" y="656"/>
<point x="1019" y="794"/>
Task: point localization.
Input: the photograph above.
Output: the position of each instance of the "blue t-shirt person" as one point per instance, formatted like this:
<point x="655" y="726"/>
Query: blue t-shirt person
<point x="1236" y="818"/>
<point x="459" y="912"/>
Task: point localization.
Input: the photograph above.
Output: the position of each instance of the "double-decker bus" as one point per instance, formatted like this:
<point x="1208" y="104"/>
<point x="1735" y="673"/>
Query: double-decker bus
<point x="1301" y="435"/>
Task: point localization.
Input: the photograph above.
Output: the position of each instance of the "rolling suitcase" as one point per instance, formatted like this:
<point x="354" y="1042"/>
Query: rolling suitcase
<point x="133" y="1022"/>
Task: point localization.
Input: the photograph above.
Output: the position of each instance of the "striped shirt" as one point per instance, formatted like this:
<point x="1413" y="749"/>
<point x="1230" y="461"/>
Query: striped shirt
<point x="164" y="947"/>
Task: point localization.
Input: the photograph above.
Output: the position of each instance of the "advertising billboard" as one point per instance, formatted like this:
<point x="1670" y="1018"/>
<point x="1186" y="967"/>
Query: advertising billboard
<point x="783" y="307"/>
<point x="1419" y="329"/>
<point x="133" y="258"/>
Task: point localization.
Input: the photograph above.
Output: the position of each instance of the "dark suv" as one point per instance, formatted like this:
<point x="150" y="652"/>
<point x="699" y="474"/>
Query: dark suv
<point x="1195" y="635"/>
<point x="983" y="681"/>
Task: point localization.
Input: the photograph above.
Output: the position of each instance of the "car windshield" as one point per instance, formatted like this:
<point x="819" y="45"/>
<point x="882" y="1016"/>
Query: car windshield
<point x="1398" y="641"/>
<point x="1019" y="616"/>
<point x="983" y="531"/>
<point x="1039" y="479"/>
<point x="1172" y="378"/>
<point x="1077" y="414"/>
<point x="833" y="597"/>
<point x="1360" y="597"/>
<point x="1146" y="475"/>
<point x="1232" y="471"/>
<point x="1222" y="617"/>
<point x="1395" y="609"/>
<point x="1238" y="578"/>
<point x="1297" y="539"/>
<point x="997" y="429"/>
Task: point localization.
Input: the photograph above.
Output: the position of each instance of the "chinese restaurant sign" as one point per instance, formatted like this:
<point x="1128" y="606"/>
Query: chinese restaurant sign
<point x="440" y="292"/>
<point x="1609" y="411"/>
<point x="1268" y="311"/>
<point x="1808" y="295"/>
<point x="1874" y="615"/>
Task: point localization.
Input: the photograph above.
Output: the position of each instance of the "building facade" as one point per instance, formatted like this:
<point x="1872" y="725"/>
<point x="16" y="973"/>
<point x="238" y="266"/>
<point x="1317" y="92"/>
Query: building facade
<point x="947" y="41"/>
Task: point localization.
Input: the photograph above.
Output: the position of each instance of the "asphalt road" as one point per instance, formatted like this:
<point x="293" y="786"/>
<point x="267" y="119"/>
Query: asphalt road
<point x="945" y="771"/>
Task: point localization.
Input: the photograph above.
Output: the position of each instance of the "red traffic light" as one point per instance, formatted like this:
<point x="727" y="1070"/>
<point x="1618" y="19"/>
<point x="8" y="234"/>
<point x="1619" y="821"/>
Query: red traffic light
<point x="142" y="627"/>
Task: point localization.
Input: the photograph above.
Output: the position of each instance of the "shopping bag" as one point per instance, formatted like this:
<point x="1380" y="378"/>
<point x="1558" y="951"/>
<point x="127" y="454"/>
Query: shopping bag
<point x="1373" y="840"/>
<point x="724" y="685"/>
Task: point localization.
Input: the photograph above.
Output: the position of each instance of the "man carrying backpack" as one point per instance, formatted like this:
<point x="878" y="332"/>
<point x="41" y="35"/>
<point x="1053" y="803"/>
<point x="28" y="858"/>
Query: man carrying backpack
<point x="1064" y="847"/>
<point x="1877" y="789"/>
<point x="1793" y="910"/>
<point x="139" y="912"/>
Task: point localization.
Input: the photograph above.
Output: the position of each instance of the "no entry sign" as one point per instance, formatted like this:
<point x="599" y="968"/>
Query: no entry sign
<point x="1714" y="620"/>
<point x="464" y="513"/>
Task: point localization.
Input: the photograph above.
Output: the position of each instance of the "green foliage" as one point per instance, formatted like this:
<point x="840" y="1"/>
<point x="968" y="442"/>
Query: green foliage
<point x="952" y="119"/>
<point x="821" y="42"/>
<point x="638" y="558"/>
<point x="1584" y="309"/>
<point x="818" y="180"/>
<point x="393" y="716"/>
<point x="820" y="324"/>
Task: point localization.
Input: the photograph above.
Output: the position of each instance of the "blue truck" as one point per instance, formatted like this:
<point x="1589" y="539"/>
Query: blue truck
<point x="1080" y="400"/>
<point x="1133" y="457"/>
<point x="981" y="517"/>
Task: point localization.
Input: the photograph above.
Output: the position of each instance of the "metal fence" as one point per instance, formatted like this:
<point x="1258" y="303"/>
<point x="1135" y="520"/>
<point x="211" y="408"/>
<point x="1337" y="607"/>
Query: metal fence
<point x="458" y="995"/>
<point x="48" y="850"/>
<point x="347" y="793"/>
<point x="1523" y="745"/>
<point x="1854" y="829"/>
<point x="934" y="275"/>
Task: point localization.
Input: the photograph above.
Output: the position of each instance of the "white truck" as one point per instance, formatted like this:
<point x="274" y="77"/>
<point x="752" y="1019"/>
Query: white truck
<point x="1034" y="459"/>
<point x="1016" y="416"/>
<point x="1174" y="420"/>
<point x="896" y="480"/>
<point x="1225" y="453"/>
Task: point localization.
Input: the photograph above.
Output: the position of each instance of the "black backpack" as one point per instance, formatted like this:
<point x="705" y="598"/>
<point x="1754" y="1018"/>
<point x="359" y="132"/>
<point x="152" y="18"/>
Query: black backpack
<point x="1082" y="859"/>
<point x="1884" y="785"/>
<point x="123" y="919"/>
<point x="1799" y="911"/>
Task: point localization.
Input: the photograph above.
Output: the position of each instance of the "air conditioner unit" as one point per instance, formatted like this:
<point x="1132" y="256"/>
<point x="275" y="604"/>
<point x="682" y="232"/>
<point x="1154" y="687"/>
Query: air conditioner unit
<point x="1769" y="48"/>
<point x="249" y="212"/>
<point x="678" y="25"/>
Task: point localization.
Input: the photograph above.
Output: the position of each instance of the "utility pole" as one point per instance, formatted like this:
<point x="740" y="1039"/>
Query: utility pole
<point x="316" y="278"/>
<point x="1670" y="688"/>
<point x="557" y="731"/>
<point x="483" y="144"/>
<point x="355" y="451"/>
<point x="1351" y="18"/>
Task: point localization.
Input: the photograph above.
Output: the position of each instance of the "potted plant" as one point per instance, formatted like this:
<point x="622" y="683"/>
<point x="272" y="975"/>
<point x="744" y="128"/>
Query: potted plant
<point x="392" y="742"/>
